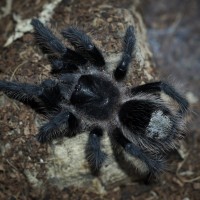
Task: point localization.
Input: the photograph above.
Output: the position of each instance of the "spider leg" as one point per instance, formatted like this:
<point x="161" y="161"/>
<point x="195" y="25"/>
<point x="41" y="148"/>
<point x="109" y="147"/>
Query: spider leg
<point x="42" y="98"/>
<point x="48" y="42"/>
<point x="63" y="124"/>
<point x="129" y="45"/>
<point x="167" y="89"/>
<point x="51" y="45"/>
<point x="22" y="92"/>
<point x="50" y="97"/>
<point x="155" y="165"/>
<point x="94" y="155"/>
<point x="84" y="45"/>
<point x="59" y="66"/>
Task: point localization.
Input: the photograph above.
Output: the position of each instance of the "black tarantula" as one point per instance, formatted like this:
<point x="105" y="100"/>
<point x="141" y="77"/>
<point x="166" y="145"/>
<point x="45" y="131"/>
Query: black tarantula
<point x="82" y="96"/>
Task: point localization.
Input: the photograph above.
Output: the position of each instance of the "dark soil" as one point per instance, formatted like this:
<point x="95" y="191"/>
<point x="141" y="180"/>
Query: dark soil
<point x="174" y="35"/>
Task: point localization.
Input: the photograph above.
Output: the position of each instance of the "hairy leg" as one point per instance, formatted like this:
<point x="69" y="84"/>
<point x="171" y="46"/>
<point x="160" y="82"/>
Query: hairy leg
<point x="44" y="98"/>
<point x="50" y="97"/>
<point x="94" y="155"/>
<point x="47" y="41"/>
<point x="84" y="45"/>
<point x="155" y="164"/>
<point x="60" y="67"/>
<point x="64" y="124"/>
<point x="59" y="56"/>
<point x="167" y="89"/>
<point x="129" y="45"/>
<point x="25" y="93"/>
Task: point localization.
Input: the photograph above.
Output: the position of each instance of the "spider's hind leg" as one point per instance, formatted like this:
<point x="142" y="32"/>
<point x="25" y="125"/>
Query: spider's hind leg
<point x="154" y="164"/>
<point x="84" y="45"/>
<point x="94" y="155"/>
<point x="129" y="45"/>
<point x="167" y="89"/>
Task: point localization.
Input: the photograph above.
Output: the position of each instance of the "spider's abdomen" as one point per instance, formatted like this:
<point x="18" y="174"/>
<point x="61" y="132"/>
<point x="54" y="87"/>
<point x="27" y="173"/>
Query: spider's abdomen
<point x="143" y="116"/>
<point x="95" y="96"/>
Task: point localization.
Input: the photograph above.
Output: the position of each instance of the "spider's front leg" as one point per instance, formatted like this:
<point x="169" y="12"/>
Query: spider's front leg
<point x="94" y="155"/>
<point x="63" y="124"/>
<point x="61" y="66"/>
<point x="84" y="45"/>
<point x="167" y="89"/>
<point x="44" y="98"/>
<point x="129" y="45"/>
<point x="47" y="41"/>
<point x="22" y="92"/>
<point x="154" y="163"/>
<point x="62" y="59"/>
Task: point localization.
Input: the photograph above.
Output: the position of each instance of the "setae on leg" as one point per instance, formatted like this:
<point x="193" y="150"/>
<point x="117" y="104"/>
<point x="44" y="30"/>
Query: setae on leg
<point x="50" y="98"/>
<point x="155" y="165"/>
<point x="44" y="98"/>
<point x="60" y="57"/>
<point x="167" y="89"/>
<point x="22" y="92"/>
<point x="84" y="45"/>
<point x="63" y="124"/>
<point x="94" y="155"/>
<point x="60" y="66"/>
<point x="129" y="45"/>
<point x="47" y="41"/>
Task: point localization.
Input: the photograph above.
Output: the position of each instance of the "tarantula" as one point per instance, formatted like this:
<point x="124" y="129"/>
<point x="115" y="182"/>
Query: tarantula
<point x="83" y="96"/>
